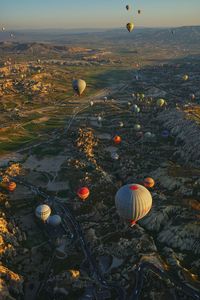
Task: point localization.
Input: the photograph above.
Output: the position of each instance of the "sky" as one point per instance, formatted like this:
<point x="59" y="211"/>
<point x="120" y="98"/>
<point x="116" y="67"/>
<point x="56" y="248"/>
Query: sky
<point x="67" y="14"/>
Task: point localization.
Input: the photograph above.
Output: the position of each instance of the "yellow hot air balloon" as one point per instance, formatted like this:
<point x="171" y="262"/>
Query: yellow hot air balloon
<point x="129" y="26"/>
<point x="160" y="102"/>
<point x="79" y="86"/>
<point x="185" y="77"/>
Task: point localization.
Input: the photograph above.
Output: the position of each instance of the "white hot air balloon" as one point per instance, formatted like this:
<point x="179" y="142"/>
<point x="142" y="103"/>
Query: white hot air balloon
<point x="148" y="135"/>
<point x="43" y="212"/>
<point x="133" y="202"/>
<point x="99" y="119"/>
<point x="115" y="156"/>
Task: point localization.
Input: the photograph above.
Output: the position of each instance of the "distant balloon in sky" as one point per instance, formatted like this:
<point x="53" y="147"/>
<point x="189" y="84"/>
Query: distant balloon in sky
<point x="139" y="11"/>
<point x="127" y="7"/>
<point x="129" y="26"/>
<point x="133" y="202"/>
<point x="79" y="86"/>
<point x="3" y="29"/>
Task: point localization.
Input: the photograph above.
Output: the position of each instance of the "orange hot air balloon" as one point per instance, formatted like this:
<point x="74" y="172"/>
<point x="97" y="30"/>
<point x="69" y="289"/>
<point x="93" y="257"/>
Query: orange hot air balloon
<point x="83" y="193"/>
<point x="149" y="182"/>
<point x="12" y="186"/>
<point x="117" y="139"/>
<point x="9" y="186"/>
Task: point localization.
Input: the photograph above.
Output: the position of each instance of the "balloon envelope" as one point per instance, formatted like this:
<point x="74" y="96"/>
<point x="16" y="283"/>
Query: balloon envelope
<point x="185" y="77"/>
<point x="79" y="86"/>
<point x="83" y="193"/>
<point x="137" y="127"/>
<point x="117" y="139"/>
<point x="54" y="220"/>
<point x="165" y="133"/>
<point x="149" y="182"/>
<point x="133" y="202"/>
<point x="115" y="156"/>
<point x="129" y="26"/>
<point x="160" y="102"/>
<point x="148" y="134"/>
<point x="43" y="212"/>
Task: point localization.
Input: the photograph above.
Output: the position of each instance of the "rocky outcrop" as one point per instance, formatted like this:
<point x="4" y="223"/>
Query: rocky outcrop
<point x="11" y="284"/>
<point x="186" y="133"/>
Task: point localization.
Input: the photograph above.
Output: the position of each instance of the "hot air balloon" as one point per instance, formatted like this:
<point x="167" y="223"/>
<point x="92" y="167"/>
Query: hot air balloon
<point x="136" y="109"/>
<point x="148" y="135"/>
<point x="129" y="26"/>
<point x="99" y="119"/>
<point x="165" y="133"/>
<point x="43" y="212"/>
<point x="12" y="186"/>
<point x="149" y="182"/>
<point x="3" y="29"/>
<point x="185" y="77"/>
<point x="160" y="102"/>
<point x="115" y="156"/>
<point x="137" y="127"/>
<point x="127" y="7"/>
<point x="83" y="193"/>
<point x="54" y="220"/>
<point x="8" y="185"/>
<point x="139" y="11"/>
<point x="79" y="86"/>
<point x="142" y="96"/>
<point x="133" y="202"/>
<point x="117" y="139"/>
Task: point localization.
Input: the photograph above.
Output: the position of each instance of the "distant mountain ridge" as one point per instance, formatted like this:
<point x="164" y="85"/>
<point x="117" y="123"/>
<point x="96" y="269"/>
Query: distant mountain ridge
<point x="186" y="36"/>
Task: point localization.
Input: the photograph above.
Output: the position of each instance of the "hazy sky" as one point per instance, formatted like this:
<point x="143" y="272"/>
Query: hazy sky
<point x="97" y="13"/>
